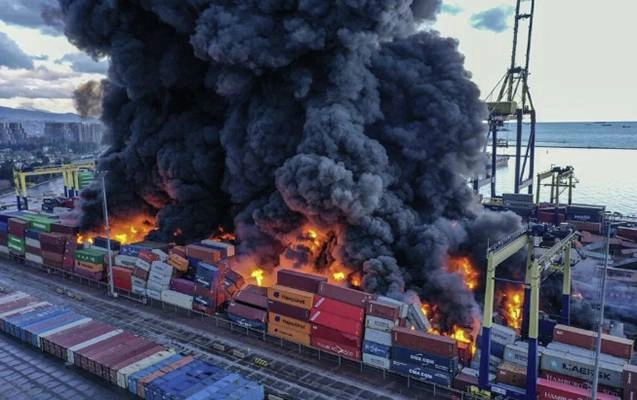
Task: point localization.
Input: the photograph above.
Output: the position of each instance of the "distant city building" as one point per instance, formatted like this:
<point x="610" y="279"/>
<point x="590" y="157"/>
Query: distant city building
<point x="12" y="133"/>
<point x="74" y="131"/>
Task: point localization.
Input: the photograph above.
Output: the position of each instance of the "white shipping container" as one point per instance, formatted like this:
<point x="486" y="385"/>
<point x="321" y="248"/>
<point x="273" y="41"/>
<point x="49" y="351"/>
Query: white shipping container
<point x="139" y="263"/>
<point x="124" y="373"/>
<point x="25" y="308"/>
<point x="582" y="368"/>
<point x="4" y="249"/>
<point x="476" y="373"/>
<point x="161" y="268"/>
<point x="378" y="362"/>
<point x="70" y="353"/>
<point x="32" y="243"/>
<point x="139" y="282"/>
<point x="126" y="261"/>
<point x="153" y="294"/>
<point x="159" y="276"/>
<point x="34" y="258"/>
<point x="13" y="297"/>
<point x="376" y="336"/>
<point x="177" y="299"/>
<point x="578" y="351"/>
<point x="502" y="334"/>
<point x="156" y="287"/>
<point x="517" y="354"/>
<point x="379" y="323"/>
<point x="138" y="290"/>
<point x="494" y="362"/>
<point x="162" y="256"/>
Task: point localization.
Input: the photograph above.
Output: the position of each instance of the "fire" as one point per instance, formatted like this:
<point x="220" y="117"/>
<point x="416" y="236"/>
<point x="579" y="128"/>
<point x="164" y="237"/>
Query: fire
<point x="258" y="275"/>
<point x="222" y="235"/>
<point x="463" y="267"/>
<point x="125" y="231"/>
<point x="338" y="276"/>
<point x="511" y="299"/>
<point x="459" y="334"/>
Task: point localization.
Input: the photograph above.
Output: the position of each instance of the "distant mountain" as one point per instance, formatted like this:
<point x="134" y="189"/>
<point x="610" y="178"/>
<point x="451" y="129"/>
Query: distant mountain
<point x="18" y="115"/>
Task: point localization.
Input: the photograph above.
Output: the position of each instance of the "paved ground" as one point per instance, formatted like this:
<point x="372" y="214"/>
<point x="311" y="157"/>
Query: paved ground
<point x="285" y="370"/>
<point x="26" y="374"/>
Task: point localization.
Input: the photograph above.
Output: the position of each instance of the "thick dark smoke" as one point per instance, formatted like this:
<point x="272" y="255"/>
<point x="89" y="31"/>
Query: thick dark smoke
<point x="88" y="99"/>
<point x="269" y="116"/>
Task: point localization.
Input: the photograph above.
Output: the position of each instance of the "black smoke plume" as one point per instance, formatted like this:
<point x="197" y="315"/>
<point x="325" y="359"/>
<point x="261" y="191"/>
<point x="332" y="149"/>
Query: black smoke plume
<point x="268" y="116"/>
<point x="88" y="99"/>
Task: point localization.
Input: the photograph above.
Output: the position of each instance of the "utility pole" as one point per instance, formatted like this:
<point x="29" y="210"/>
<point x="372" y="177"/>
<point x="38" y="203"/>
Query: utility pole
<point x="107" y="226"/>
<point x="598" y="341"/>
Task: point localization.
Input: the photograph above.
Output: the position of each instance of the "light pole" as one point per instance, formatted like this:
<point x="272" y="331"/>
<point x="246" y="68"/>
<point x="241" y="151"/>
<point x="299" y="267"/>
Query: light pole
<point x="107" y="226"/>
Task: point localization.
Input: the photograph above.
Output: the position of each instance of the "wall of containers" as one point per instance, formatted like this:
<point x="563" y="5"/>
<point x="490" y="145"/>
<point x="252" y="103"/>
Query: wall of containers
<point x="138" y="365"/>
<point x="305" y="309"/>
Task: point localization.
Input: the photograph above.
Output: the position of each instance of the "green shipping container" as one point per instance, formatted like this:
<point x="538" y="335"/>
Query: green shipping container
<point x="16" y="244"/>
<point x="90" y="255"/>
<point x="41" y="224"/>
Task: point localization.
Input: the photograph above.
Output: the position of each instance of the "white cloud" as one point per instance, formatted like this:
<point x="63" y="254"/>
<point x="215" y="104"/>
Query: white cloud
<point x="11" y="55"/>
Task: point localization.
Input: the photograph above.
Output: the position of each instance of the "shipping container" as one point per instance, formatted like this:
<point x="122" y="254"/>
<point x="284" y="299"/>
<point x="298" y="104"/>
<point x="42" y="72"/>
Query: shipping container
<point x="289" y="310"/>
<point x="142" y="382"/>
<point x="511" y="374"/>
<point x="135" y="377"/>
<point x="580" y="352"/>
<point x="376" y="361"/>
<point x="629" y="377"/>
<point x="122" y="278"/>
<point x="339" y="308"/>
<point x="291" y="296"/>
<point x="70" y="352"/>
<point x="377" y="336"/>
<point x="59" y="343"/>
<point x="427" y="360"/>
<point x="581" y="383"/>
<point x="90" y="256"/>
<point x="337" y="348"/>
<point x="247" y="316"/>
<point x="425" y="342"/>
<point x="226" y="249"/>
<point x="549" y="390"/>
<point x="177" y="299"/>
<point x="299" y="280"/>
<point x="422" y="373"/>
<point x="376" y="349"/>
<point x="182" y="286"/>
<point x="288" y="334"/>
<point x="616" y="346"/>
<point x="346" y="295"/>
<point x="203" y="253"/>
<point x="336" y="322"/>
<point x="579" y="367"/>
<point x="517" y="353"/>
<point x="336" y="335"/>
<point x="303" y="327"/>
<point x="207" y="275"/>
<point x="464" y="382"/>
<point x="379" y="324"/>
<point x="151" y="350"/>
<point x="252" y="299"/>
<point x="502" y="334"/>
<point x="384" y="311"/>
<point x="124" y="373"/>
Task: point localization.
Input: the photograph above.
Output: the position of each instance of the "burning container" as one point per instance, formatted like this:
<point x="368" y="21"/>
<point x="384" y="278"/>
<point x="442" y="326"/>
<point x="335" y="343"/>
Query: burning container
<point x="345" y="295"/>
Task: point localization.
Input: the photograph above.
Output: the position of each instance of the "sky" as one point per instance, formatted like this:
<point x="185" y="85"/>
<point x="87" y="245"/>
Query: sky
<point x="582" y="65"/>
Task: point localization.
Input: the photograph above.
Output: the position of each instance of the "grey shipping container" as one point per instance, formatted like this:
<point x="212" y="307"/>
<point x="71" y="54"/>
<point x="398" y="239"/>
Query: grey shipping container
<point x="376" y="361"/>
<point x="517" y="354"/>
<point x="579" y="367"/>
<point x="502" y="334"/>
<point x="379" y="324"/>
<point x="377" y="336"/>
<point x="422" y="359"/>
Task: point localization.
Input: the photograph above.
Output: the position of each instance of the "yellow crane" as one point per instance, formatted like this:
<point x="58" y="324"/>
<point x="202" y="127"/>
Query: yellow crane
<point x="70" y="174"/>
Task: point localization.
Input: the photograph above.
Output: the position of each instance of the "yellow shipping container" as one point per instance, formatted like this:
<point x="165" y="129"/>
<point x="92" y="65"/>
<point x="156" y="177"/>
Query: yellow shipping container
<point x="293" y="297"/>
<point x="288" y="334"/>
<point x="290" y="323"/>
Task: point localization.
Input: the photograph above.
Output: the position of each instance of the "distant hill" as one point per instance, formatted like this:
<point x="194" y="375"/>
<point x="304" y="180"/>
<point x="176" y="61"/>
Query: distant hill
<point x="18" y="115"/>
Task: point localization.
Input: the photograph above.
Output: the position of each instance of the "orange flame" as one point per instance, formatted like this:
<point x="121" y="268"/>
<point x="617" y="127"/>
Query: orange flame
<point x="511" y="306"/>
<point x="258" y="275"/>
<point x="338" y="276"/>
<point x="222" y="235"/>
<point x="125" y="231"/>
<point x="464" y="267"/>
<point x="459" y="334"/>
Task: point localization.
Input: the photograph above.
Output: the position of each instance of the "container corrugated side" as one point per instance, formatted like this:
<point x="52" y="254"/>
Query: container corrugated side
<point x="336" y="322"/>
<point x="376" y="349"/>
<point x="291" y="296"/>
<point x="339" y="308"/>
<point x="426" y="342"/>
<point x="577" y="382"/>
<point x="380" y="324"/>
<point x="124" y="373"/>
<point x="70" y="352"/>
<point x="337" y="348"/>
<point x="578" y="367"/>
<point x="423" y="359"/>
<point x="377" y="336"/>
<point x="548" y="390"/>
<point x="346" y="295"/>
<point x="134" y="378"/>
<point x="299" y="280"/>
<point x="376" y="361"/>
<point x="288" y="334"/>
<point x="290" y="323"/>
<point x="422" y="373"/>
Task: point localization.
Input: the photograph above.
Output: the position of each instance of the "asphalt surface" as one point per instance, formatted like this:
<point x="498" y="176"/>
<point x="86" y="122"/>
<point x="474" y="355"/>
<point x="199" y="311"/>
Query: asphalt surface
<point x="284" y="369"/>
<point x="28" y="374"/>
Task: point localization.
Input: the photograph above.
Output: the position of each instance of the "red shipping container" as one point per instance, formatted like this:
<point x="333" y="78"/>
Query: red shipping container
<point x="33" y="250"/>
<point x="615" y="346"/>
<point x="204" y="254"/>
<point x="549" y="390"/>
<point x="339" y="308"/>
<point x="259" y="290"/>
<point x="55" y="263"/>
<point x="580" y="383"/>
<point x="462" y="382"/>
<point x="16" y="304"/>
<point x="99" y="364"/>
<point x="55" y="239"/>
<point x="129" y="351"/>
<point x="336" y="322"/>
<point x="81" y="358"/>
<point x="64" y="229"/>
<point x="183" y="286"/>
<point x="299" y="280"/>
<point x="252" y="299"/>
<point x="59" y="343"/>
<point x="122" y="278"/>
<point x="382" y="310"/>
<point x="56" y="257"/>
<point x="288" y="310"/>
<point x="133" y="359"/>
<point x="247" y="312"/>
<point x="464" y="353"/>
<point x="346" y="295"/>
<point x="423" y="341"/>
<point x="178" y="250"/>
<point x="143" y="274"/>
<point x="340" y="349"/>
<point x="336" y="336"/>
<point x="52" y="247"/>
<point x="17" y="227"/>
<point x="148" y="256"/>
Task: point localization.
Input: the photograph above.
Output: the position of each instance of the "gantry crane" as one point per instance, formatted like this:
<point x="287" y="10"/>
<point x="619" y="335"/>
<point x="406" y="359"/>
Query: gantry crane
<point x="70" y="174"/>
<point x="535" y="267"/>
<point x="513" y="101"/>
<point x="562" y="179"/>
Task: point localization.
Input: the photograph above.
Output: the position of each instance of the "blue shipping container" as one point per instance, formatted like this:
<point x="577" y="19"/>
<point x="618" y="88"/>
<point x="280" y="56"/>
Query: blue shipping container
<point x="418" y="372"/>
<point x="206" y="275"/>
<point x="4" y="227"/>
<point x="497" y="349"/>
<point x="250" y="323"/>
<point x="376" y="349"/>
<point x="130" y="250"/>
<point x="137" y="376"/>
<point x="32" y="234"/>
<point x="426" y="360"/>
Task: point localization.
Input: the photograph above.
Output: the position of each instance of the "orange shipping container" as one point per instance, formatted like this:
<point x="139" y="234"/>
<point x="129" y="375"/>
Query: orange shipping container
<point x="178" y="262"/>
<point x="291" y="296"/>
<point x="290" y="323"/>
<point x="288" y="334"/>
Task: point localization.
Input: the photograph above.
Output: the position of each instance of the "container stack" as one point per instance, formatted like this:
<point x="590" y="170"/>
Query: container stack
<point x="4" y="234"/>
<point x="548" y="389"/>
<point x="68" y="261"/>
<point x="249" y="307"/>
<point x="382" y="316"/>
<point x="629" y="382"/>
<point x="586" y="217"/>
<point x="159" y="279"/>
<point x="53" y="247"/>
<point x="424" y="356"/>
<point x="209" y="294"/>
<point x="17" y="236"/>
<point x="501" y="336"/>
<point x="33" y="250"/>
<point x="337" y="318"/>
<point x="89" y="263"/>
<point x="289" y="305"/>
<point x="129" y="361"/>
